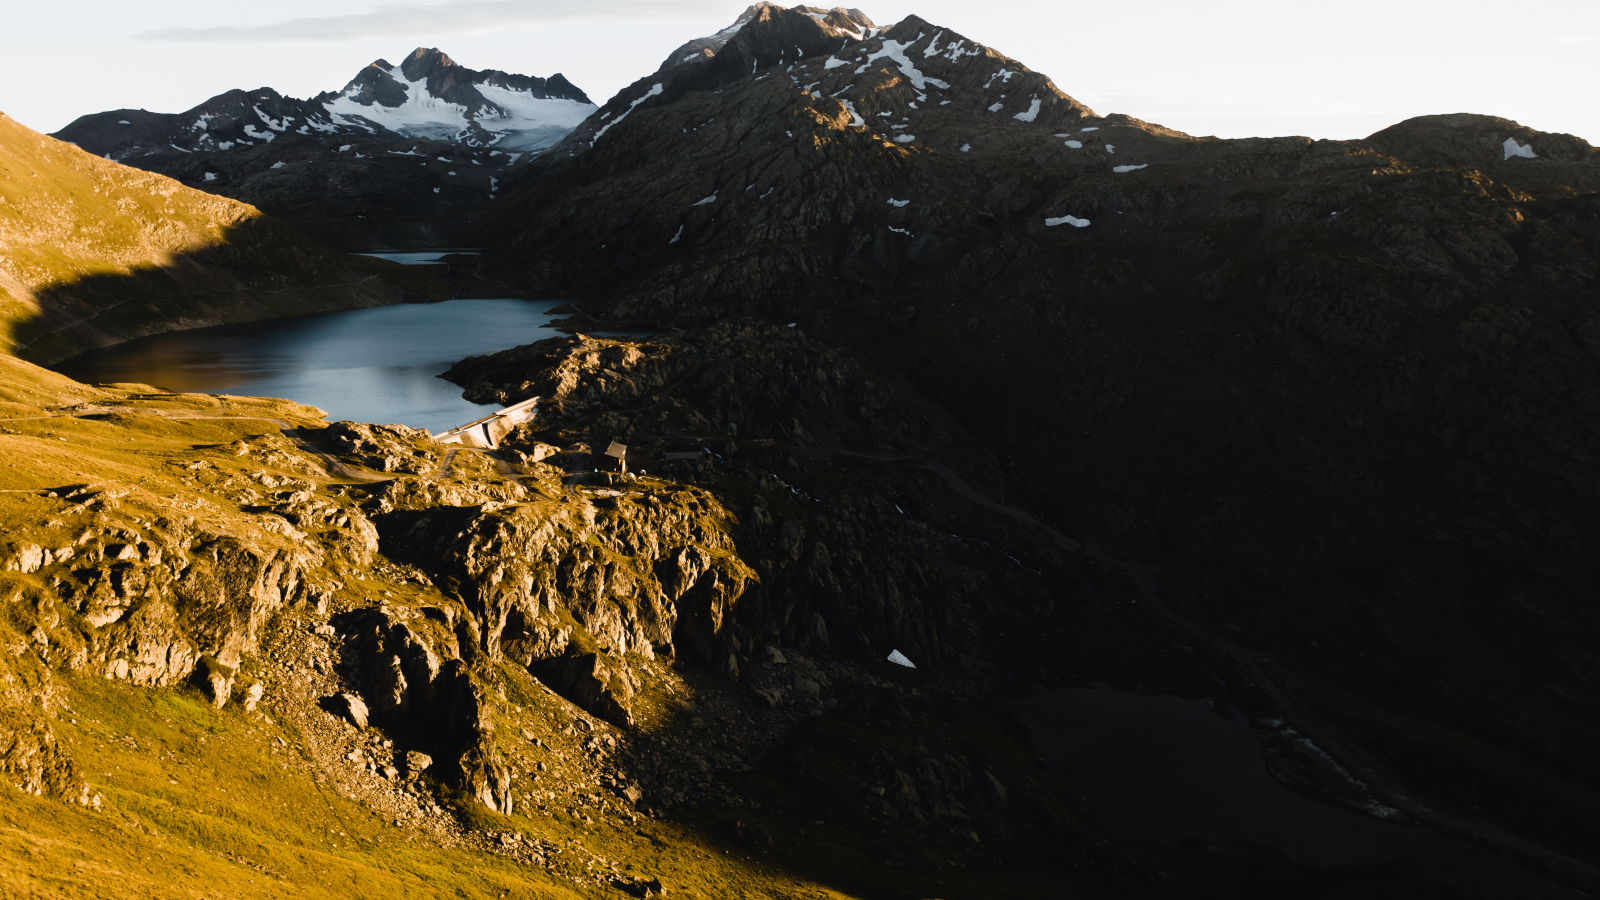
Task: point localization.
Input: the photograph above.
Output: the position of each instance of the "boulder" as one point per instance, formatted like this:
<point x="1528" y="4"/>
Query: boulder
<point x="216" y="679"/>
<point x="351" y="708"/>
<point x="416" y="763"/>
<point x="25" y="558"/>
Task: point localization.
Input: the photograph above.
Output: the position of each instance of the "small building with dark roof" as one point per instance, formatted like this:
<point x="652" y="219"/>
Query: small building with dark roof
<point x="614" y="459"/>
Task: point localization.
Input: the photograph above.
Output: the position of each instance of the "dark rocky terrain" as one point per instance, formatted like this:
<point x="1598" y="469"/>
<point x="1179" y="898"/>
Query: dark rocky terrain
<point x="933" y="359"/>
<point x="355" y="154"/>
<point x="1333" y="392"/>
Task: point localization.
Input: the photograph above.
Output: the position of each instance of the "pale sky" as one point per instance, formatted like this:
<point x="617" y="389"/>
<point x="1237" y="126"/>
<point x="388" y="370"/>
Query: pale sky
<point x="1226" y="67"/>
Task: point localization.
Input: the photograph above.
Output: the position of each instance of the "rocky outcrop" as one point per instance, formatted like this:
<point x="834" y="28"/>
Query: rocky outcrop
<point x="743" y="378"/>
<point x="413" y="681"/>
<point x="385" y="448"/>
<point x="569" y="590"/>
<point x="33" y="761"/>
<point x="852" y="572"/>
<point x="230" y="589"/>
<point x="572" y="375"/>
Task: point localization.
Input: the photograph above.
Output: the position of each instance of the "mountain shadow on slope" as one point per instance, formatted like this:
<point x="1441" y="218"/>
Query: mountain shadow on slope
<point x="1335" y="390"/>
<point x="99" y="253"/>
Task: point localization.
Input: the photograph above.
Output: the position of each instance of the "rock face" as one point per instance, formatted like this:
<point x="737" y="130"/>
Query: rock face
<point x="96" y="253"/>
<point x="851" y="574"/>
<point x="570" y="590"/>
<point x="501" y="635"/>
<point x="355" y="152"/>
<point x="1321" y="384"/>
<point x="163" y="601"/>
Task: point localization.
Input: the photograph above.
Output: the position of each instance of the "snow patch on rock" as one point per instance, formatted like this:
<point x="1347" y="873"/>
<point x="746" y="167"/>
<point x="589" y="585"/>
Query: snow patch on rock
<point x="1512" y="148"/>
<point x="855" y="118"/>
<point x="896" y="53"/>
<point x="655" y="91"/>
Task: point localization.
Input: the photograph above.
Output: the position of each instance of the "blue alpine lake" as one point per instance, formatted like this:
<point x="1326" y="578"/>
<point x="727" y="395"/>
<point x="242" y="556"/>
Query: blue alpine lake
<point x="366" y="365"/>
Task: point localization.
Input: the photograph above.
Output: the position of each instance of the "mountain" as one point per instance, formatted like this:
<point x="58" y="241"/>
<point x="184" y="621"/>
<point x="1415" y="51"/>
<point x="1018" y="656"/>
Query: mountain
<point x="1326" y="400"/>
<point x="95" y="253"/>
<point x="838" y="22"/>
<point x="935" y="365"/>
<point x="351" y="154"/>
<point x="430" y="95"/>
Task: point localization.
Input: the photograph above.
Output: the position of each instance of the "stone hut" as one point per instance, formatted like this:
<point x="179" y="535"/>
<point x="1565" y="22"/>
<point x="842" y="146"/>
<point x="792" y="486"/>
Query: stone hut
<point x="615" y="459"/>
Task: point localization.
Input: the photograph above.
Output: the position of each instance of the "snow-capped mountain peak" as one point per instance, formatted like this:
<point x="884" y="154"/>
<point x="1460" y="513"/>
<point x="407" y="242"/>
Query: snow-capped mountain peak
<point x="430" y="95"/>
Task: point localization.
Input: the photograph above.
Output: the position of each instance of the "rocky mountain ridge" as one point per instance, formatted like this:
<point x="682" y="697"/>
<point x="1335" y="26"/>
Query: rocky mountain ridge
<point x="352" y="153"/>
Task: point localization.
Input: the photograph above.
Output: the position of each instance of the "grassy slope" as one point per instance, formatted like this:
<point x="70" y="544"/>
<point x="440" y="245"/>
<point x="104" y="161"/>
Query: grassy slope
<point x="200" y="801"/>
<point x="92" y="252"/>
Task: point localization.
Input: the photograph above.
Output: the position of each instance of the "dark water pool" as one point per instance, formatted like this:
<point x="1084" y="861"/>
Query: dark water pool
<point x="421" y="257"/>
<point x="366" y="365"/>
<point x="1155" y="769"/>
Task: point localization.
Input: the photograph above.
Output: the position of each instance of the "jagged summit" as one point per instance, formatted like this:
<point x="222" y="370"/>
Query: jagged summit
<point x="429" y="95"/>
<point x="913" y="82"/>
<point x="851" y="23"/>
<point x="423" y="138"/>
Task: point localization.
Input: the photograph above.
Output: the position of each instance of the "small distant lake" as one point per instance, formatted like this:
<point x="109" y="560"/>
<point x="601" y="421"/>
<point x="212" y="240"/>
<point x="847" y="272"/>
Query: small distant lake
<point x="366" y="365"/>
<point x="1155" y="769"/>
<point x="420" y="257"/>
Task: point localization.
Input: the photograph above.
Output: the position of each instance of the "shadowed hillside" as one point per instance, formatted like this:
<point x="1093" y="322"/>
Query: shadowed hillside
<point x="95" y="253"/>
<point x="1334" y="397"/>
